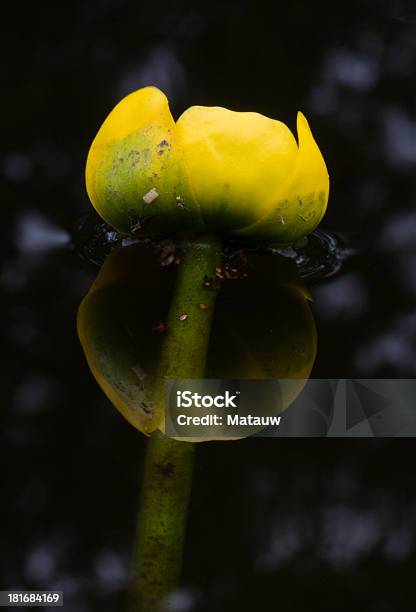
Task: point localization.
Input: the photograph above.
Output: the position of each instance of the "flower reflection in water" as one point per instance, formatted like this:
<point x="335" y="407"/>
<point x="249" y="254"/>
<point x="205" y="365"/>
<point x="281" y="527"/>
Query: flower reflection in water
<point x="262" y="328"/>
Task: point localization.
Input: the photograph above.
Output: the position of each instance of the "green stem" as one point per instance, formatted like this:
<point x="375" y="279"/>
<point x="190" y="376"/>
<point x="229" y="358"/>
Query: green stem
<point x="168" y="467"/>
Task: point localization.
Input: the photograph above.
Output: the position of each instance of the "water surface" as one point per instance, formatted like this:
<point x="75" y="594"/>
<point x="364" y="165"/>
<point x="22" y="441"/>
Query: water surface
<point x="274" y="524"/>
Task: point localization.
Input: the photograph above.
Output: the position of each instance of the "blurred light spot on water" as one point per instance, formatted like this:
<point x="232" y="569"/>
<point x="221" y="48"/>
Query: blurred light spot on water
<point x="111" y="572"/>
<point x="399" y="544"/>
<point x="343" y="68"/>
<point x="345" y="297"/>
<point x="324" y="98"/>
<point x="17" y="167"/>
<point x="70" y="586"/>
<point x="349" y="534"/>
<point x="389" y="350"/>
<point x="182" y="600"/>
<point x="33" y="394"/>
<point x="40" y="564"/>
<point x="399" y="232"/>
<point x="352" y="69"/>
<point x="399" y="138"/>
<point x="395" y="350"/>
<point x="34" y="232"/>
<point x="285" y="540"/>
<point x="407" y="325"/>
<point x="160" y="68"/>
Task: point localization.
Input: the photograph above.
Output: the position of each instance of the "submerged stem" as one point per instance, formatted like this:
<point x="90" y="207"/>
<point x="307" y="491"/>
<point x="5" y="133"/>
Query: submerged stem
<point x="168" y="467"/>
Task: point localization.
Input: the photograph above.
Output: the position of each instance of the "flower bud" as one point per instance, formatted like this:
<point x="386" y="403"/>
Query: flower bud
<point x="214" y="170"/>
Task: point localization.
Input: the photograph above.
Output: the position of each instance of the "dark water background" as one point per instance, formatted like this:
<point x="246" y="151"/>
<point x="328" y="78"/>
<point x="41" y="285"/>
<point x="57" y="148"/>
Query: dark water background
<point x="274" y="524"/>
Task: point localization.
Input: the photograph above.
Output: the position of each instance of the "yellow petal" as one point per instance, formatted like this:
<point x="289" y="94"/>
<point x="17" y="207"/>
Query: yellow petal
<point x="135" y="172"/>
<point x="301" y="206"/>
<point x="237" y="163"/>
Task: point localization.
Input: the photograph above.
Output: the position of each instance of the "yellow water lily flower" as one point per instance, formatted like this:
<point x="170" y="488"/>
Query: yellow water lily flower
<point x="214" y="170"/>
